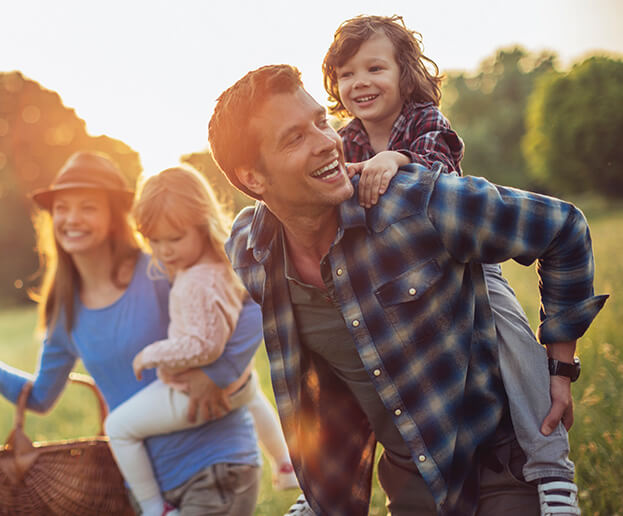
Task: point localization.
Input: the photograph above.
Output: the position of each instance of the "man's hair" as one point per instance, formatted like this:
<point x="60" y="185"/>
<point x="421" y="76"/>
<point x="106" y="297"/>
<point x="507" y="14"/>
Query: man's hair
<point x="418" y="83"/>
<point x="232" y="141"/>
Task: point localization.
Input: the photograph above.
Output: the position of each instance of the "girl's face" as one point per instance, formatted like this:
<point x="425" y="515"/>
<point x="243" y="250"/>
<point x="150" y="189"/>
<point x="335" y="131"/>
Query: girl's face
<point x="177" y="249"/>
<point x="369" y="82"/>
<point x="81" y="219"/>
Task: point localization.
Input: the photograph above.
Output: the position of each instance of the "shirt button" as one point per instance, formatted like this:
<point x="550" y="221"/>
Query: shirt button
<point x="377" y="372"/>
<point x="422" y="458"/>
<point x="339" y="272"/>
<point x="397" y="411"/>
<point x="412" y="291"/>
<point x="355" y="323"/>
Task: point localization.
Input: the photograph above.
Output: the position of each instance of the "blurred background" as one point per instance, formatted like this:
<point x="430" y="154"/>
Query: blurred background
<point x="535" y="89"/>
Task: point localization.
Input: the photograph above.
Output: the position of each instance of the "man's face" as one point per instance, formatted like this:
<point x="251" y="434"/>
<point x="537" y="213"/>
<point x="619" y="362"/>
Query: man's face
<point x="301" y="169"/>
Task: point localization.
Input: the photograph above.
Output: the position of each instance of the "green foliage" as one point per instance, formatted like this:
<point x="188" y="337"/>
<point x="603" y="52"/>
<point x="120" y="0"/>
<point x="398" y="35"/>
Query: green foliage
<point x="37" y="134"/>
<point x="575" y="128"/>
<point x="205" y="164"/>
<point x="487" y="110"/>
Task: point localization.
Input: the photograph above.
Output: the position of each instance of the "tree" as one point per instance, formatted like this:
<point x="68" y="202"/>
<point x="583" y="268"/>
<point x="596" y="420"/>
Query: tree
<point x="487" y="111"/>
<point x="575" y="128"/>
<point x="226" y="193"/>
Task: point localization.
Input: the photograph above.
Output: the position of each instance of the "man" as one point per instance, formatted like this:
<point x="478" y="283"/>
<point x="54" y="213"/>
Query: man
<point x="377" y="321"/>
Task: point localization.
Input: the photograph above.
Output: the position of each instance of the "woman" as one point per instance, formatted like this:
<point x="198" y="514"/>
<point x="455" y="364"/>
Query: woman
<point x="98" y="304"/>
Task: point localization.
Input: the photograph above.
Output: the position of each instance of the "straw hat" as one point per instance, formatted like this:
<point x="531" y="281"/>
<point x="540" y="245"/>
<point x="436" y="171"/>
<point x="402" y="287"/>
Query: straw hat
<point x="86" y="170"/>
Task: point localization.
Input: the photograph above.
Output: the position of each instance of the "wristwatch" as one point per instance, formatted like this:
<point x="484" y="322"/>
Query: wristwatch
<point x="558" y="368"/>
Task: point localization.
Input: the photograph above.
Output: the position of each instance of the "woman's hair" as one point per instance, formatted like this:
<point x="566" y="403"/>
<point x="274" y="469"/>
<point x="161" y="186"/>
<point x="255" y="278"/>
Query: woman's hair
<point x="418" y="83"/>
<point x="183" y="198"/>
<point x="61" y="280"/>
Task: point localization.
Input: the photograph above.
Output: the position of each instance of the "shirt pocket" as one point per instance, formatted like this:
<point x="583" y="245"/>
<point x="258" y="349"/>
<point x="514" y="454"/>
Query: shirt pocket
<point x="409" y="302"/>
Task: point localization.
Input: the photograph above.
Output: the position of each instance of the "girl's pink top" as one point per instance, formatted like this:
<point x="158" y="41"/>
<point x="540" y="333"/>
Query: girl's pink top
<point x="204" y="307"/>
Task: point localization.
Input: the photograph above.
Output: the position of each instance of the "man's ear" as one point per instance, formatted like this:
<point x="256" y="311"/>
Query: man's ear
<point x="251" y="179"/>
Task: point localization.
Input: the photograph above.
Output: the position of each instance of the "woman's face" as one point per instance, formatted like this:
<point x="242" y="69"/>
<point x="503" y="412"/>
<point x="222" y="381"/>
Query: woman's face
<point x="82" y="219"/>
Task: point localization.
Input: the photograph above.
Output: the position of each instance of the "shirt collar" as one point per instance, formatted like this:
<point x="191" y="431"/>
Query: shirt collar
<point x="265" y="226"/>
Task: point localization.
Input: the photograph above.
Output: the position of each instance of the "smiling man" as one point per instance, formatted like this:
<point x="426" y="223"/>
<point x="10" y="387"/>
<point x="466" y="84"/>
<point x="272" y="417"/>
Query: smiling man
<point x="377" y="321"/>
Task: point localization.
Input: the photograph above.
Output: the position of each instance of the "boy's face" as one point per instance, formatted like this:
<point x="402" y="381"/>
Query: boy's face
<point x="369" y="83"/>
<point x="301" y="168"/>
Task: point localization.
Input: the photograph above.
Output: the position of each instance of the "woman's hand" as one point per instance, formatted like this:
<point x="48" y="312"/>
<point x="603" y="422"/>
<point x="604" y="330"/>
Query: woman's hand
<point x="206" y="397"/>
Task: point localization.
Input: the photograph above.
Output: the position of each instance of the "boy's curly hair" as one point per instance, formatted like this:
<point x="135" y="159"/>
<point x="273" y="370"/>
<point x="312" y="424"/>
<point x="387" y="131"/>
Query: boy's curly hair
<point x="420" y="79"/>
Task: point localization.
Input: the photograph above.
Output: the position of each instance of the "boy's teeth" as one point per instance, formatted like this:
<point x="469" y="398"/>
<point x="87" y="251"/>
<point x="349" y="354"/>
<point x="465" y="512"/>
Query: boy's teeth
<point x="366" y="99"/>
<point x="325" y="169"/>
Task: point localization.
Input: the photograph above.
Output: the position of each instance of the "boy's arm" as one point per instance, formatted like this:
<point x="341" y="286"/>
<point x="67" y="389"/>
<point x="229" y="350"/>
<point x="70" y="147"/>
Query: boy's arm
<point x="376" y="173"/>
<point x="429" y="138"/>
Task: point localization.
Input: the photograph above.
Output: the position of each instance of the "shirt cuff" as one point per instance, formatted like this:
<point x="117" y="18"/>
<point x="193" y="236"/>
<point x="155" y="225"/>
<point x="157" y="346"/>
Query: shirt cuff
<point x="570" y="323"/>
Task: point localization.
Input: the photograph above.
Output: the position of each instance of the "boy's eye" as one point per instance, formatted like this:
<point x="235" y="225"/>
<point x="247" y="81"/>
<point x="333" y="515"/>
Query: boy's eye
<point x="344" y="75"/>
<point x="375" y="68"/>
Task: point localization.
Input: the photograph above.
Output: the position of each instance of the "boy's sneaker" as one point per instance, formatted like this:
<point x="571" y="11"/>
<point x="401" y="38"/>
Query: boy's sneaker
<point x="285" y="478"/>
<point x="300" y="508"/>
<point x="558" y="497"/>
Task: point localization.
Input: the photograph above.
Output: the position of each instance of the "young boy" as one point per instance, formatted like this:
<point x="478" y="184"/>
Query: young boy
<point x="376" y="73"/>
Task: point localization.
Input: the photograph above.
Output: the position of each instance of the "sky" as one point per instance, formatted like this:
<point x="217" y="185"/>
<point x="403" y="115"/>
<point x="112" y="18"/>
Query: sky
<point x="148" y="72"/>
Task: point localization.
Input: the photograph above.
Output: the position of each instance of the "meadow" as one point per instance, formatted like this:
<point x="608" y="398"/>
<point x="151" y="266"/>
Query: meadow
<point x="596" y="437"/>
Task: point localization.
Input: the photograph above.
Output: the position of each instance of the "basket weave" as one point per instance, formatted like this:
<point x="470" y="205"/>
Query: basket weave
<point x="66" y="478"/>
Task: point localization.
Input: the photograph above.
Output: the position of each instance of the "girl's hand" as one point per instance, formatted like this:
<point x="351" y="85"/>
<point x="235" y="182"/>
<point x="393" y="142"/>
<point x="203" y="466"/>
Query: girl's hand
<point x="376" y="173"/>
<point x="138" y="366"/>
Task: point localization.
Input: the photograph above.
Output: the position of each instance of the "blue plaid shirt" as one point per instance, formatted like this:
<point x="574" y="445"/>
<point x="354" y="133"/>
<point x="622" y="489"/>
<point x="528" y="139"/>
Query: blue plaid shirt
<point x="410" y="288"/>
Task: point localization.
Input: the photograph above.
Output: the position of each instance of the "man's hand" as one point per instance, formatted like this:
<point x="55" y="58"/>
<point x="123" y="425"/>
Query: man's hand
<point x="560" y="389"/>
<point x="376" y="173"/>
<point x="205" y="395"/>
<point x="562" y="405"/>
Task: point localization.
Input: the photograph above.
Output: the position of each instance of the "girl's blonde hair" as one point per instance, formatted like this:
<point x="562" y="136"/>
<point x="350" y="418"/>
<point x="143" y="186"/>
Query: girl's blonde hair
<point x="182" y="197"/>
<point x="61" y="280"/>
<point x="420" y="80"/>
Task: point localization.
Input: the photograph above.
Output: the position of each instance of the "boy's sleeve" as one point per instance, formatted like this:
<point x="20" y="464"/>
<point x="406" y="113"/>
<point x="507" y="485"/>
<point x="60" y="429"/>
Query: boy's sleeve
<point x="429" y="139"/>
<point x="481" y="222"/>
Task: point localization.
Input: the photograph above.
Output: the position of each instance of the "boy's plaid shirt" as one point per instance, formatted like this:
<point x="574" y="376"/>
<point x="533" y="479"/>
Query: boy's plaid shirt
<point x="412" y="293"/>
<point x="420" y="131"/>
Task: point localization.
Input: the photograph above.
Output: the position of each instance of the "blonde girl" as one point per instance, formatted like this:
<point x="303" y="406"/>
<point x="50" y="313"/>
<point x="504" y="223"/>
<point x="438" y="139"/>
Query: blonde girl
<point x="178" y="213"/>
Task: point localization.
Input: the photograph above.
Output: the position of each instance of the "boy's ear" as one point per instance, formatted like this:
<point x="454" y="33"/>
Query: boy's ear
<point x="252" y="179"/>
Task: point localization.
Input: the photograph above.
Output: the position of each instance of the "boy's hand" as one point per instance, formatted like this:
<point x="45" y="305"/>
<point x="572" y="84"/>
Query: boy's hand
<point x="376" y="173"/>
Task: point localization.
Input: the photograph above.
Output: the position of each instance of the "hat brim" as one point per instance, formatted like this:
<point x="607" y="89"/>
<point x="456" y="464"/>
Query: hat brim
<point x="43" y="197"/>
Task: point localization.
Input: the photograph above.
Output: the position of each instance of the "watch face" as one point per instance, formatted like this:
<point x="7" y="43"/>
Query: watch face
<point x="571" y="371"/>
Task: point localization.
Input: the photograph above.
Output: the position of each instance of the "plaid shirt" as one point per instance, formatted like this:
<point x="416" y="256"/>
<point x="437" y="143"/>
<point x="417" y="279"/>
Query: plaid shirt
<point x="412" y="293"/>
<point x="420" y="131"/>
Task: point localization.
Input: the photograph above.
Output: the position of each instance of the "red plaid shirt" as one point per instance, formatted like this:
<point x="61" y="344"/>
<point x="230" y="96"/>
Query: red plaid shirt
<point x="420" y="131"/>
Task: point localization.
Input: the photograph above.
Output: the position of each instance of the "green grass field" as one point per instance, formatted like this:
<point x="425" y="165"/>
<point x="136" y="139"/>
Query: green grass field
<point x="596" y="437"/>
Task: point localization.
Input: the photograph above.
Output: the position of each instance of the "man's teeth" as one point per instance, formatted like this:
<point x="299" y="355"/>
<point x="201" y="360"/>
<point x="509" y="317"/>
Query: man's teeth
<point x="326" y="168"/>
<point x="366" y="99"/>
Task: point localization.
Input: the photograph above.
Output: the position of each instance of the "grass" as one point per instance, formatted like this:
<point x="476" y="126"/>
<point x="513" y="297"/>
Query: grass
<point x="596" y="437"/>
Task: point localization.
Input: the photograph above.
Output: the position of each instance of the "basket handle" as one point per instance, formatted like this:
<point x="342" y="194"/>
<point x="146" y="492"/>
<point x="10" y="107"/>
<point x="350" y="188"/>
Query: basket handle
<point x="82" y="379"/>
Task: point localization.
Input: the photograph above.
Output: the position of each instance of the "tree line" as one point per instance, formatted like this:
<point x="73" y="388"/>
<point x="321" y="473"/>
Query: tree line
<point x="525" y="123"/>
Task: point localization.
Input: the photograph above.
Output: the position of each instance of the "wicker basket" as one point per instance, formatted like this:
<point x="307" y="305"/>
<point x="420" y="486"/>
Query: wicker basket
<point x="67" y="478"/>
